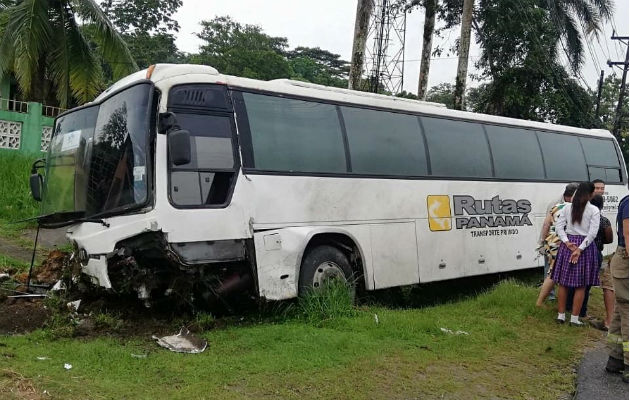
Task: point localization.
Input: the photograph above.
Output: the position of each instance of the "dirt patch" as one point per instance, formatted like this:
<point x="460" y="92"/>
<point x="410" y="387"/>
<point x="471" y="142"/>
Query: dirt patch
<point x="14" y="385"/>
<point x="22" y="315"/>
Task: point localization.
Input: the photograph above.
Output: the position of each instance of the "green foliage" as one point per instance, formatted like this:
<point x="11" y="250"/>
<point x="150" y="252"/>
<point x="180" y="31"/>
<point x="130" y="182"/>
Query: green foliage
<point x="43" y="46"/>
<point x="242" y="50"/>
<point x="108" y="321"/>
<point x="520" y="43"/>
<point x="333" y="300"/>
<point x="204" y="321"/>
<point x="147" y="27"/>
<point x="16" y="202"/>
<point x="318" y="66"/>
<point x="143" y="16"/>
<point x="443" y="93"/>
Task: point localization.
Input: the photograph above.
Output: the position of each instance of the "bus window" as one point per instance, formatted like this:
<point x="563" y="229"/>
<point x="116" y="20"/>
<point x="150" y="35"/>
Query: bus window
<point x="515" y="152"/>
<point x="294" y="135"/>
<point x="384" y="143"/>
<point x="602" y="159"/>
<point x="456" y="148"/>
<point x="564" y="160"/>
<point x="206" y="180"/>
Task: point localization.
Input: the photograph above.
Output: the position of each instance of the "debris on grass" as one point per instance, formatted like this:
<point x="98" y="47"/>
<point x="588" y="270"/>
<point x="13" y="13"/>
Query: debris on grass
<point x="183" y="342"/>
<point x="67" y="366"/>
<point x="43" y="358"/>
<point x="450" y="332"/>
<point x="74" y="305"/>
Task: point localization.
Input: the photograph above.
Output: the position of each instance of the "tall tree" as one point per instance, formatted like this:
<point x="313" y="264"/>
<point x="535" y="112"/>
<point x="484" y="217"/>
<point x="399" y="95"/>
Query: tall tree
<point x="318" y="66"/>
<point x="464" y="48"/>
<point x="361" y="26"/>
<point x="242" y="50"/>
<point x="148" y="28"/>
<point x="43" y="46"/>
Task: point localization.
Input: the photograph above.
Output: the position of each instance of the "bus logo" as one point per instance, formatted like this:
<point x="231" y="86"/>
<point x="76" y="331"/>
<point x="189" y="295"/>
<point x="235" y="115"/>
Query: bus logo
<point x="439" y="208"/>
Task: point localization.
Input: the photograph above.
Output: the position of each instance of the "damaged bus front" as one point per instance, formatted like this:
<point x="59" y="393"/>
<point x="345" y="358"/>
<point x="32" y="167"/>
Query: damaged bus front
<point x="106" y="176"/>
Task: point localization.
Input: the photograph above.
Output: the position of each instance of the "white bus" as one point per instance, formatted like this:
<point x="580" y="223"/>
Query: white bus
<point x="179" y="179"/>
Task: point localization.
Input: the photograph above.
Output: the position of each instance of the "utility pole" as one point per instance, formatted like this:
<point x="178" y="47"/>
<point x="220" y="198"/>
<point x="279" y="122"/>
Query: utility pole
<point x="599" y="93"/>
<point x="622" y="89"/>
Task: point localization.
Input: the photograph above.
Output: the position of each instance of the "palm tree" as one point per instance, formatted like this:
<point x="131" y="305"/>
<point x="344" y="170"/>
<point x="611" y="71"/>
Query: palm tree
<point x="573" y="16"/>
<point x="42" y="44"/>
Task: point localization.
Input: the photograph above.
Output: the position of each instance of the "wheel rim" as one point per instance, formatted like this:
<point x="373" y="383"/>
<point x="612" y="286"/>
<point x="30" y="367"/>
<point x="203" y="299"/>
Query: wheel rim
<point x="327" y="271"/>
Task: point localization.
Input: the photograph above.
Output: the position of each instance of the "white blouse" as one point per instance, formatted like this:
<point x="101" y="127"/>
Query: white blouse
<point x="587" y="227"/>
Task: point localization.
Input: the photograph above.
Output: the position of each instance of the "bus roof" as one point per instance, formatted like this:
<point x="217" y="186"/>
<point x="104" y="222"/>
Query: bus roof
<point x="172" y="74"/>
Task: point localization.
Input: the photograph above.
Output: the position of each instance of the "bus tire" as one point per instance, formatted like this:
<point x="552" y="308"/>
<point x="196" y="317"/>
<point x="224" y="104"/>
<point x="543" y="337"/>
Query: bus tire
<point x="322" y="263"/>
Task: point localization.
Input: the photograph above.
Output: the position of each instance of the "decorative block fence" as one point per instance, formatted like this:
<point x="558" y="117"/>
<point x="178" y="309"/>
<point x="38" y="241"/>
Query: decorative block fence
<point x="25" y="127"/>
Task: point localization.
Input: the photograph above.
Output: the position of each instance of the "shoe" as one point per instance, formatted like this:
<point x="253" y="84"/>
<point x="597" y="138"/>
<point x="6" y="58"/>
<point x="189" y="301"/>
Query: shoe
<point x="597" y="324"/>
<point x="578" y="324"/>
<point x="615" y="365"/>
<point x="559" y="321"/>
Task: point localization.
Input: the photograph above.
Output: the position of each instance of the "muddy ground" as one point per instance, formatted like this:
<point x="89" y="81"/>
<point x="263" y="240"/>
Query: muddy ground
<point x="22" y="316"/>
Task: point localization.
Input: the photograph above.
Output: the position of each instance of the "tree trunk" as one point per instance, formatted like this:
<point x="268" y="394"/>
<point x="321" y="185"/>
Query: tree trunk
<point x="430" y="8"/>
<point x="464" y="47"/>
<point x="361" y="25"/>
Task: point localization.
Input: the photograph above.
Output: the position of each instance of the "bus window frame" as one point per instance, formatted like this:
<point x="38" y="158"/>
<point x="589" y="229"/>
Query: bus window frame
<point x="248" y="165"/>
<point x="229" y="113"/>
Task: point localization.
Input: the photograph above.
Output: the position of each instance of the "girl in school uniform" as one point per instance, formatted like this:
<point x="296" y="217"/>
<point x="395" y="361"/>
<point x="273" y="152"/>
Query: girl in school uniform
<point x="577" y="260"/>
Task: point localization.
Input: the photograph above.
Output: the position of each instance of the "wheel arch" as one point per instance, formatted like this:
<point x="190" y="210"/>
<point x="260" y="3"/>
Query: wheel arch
<point x="342" y="240"/>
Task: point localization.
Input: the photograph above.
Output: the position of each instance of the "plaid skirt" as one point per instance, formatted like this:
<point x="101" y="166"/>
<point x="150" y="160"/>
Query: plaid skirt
<point x="584" y="273"/>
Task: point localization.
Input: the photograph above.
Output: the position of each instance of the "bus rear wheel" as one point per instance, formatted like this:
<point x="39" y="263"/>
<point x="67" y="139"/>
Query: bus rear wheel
<point x="323" y="264"/>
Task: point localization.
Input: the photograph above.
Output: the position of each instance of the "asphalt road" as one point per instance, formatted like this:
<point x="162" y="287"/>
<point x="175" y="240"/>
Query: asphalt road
<point x="594" y="382"/>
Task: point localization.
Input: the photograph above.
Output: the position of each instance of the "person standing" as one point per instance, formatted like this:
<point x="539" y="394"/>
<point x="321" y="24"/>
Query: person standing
<point x="618" y="332"/>
<point x="605" y="277"/>
<point x="577" y="260"/>
<point x="549" y="242"/>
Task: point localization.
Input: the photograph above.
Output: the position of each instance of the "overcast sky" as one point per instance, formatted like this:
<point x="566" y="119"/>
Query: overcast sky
<point x="329" y="24"/>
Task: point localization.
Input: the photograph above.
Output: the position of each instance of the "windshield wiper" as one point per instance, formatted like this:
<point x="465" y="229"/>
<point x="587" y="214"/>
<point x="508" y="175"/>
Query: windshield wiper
<point x="93" y="220"/>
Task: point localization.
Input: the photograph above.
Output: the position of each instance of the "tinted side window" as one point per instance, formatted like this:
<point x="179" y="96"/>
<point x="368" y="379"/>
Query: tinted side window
<point x="600" y="152"/>
<point x="294" y="135"/>
<point x="563" y="157"/>
<point x="384" y="143"/>
<point x="211" y="141"/>
<point x="456" y="148"/>
<point x="515" y="152"/>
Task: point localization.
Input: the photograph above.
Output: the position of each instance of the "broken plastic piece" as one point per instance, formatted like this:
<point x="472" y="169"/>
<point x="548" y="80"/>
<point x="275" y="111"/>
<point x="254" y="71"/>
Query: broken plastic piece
<point x="74" y="305"/>
<point x="183" y="342"/>
<point x="67" y="366"/>
<point x="58" y="286"/>
<point x="43" y="358"/>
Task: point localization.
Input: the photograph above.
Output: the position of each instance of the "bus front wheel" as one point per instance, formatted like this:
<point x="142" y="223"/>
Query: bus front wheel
<point x="322" y="264"/>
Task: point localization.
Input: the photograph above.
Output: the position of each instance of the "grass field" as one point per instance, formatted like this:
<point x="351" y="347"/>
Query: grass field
<point x="510" y="349"/>
<point x="16" y="202"/>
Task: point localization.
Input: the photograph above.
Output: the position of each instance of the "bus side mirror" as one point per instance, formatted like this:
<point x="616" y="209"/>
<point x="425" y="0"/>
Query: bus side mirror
<point x="179" y="146"/>
<point x="36" y="182"/>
